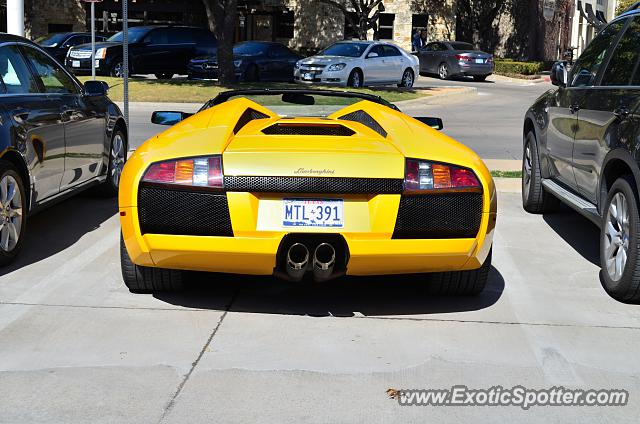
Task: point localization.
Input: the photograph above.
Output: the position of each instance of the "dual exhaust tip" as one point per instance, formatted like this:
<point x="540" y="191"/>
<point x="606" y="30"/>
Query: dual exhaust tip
<point x="299" y="259"/>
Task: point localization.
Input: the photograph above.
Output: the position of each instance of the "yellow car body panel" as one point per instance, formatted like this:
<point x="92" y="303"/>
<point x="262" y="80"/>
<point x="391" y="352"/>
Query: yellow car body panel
<point x="369" y="219"/>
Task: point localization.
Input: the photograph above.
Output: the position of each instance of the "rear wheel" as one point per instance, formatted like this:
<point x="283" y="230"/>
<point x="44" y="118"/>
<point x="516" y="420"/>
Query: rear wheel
<point x="13" y="208"/>
<point x="534" y="198"/>
<point x="117" y="159"/>
<point x="164" y="75"/>
<point x="141" y="279"/>
<point x="462" y="283"/>
<point x="443" y="71"/>
<point x="356" y="79"/>
<point x="620" y="242"/>
<point x="407" y="79"/>
<point x="480" y="78"/>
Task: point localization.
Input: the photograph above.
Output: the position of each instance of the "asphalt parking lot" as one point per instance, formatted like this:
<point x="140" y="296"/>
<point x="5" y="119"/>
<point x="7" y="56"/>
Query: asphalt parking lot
<point x="76" y="346"/>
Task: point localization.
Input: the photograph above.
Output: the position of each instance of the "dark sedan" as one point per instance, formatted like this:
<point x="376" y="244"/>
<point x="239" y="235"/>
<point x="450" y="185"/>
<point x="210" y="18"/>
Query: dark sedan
<point x="453" y="58"/>
<point x="253" y="61"/>
<point x="57" y="137"/>
<point x="59" y="43"/>
<point x="159" y="50"/>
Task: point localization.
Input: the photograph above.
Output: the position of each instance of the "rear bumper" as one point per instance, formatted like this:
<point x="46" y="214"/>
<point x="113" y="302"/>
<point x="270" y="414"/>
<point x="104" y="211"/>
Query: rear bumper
<point x="256" y="252"/>
<point x="474" y="69"/>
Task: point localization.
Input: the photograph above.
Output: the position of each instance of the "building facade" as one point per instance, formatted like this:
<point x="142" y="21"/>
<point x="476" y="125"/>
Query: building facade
<point x="583" y="29"/>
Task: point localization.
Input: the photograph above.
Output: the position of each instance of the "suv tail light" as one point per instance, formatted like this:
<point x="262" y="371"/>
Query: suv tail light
<point x="421" y="175"/>
<point x="195" y="172"/>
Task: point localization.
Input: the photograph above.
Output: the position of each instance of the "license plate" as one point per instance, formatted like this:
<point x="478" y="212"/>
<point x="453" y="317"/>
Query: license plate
<point x="313" y="213"/>
<point x="479" y="61"/>
<point x="75" y="63"/>
<point x="307" y="76"/>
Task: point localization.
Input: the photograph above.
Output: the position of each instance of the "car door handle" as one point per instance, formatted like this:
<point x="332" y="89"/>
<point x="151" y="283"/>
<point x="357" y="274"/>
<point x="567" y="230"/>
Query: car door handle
<point x="622" y="113"/>
<point x="574" y="108"/>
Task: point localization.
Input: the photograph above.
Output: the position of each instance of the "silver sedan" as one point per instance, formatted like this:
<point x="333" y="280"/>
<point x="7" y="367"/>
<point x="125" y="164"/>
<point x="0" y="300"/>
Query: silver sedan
<point x="453" y="58"/>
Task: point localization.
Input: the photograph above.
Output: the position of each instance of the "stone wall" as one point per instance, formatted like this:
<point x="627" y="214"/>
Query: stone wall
<point x="40" y="13"/>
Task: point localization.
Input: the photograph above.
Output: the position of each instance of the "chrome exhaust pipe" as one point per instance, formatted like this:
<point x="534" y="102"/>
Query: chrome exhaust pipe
<point x="324" y="259"/>
<point x="297" y="261"/>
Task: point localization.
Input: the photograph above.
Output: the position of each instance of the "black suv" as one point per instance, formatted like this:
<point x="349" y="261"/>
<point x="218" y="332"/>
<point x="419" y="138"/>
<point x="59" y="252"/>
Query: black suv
<point x="159" y="50"/>
<point x="582" y="147"/>
<point x="59" y="43"/>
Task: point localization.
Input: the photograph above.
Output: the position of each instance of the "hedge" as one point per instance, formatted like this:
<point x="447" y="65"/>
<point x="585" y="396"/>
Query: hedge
<point x="508" y="66"/>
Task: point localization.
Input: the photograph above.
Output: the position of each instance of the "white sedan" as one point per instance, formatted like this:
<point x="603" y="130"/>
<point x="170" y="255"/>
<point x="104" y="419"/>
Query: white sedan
<point x="357" y="64"/>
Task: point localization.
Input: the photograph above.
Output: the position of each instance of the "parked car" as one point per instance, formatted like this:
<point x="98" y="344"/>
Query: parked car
<point x="57" y="137"/>
<point x="582" y="148"/>
<point x="358" y="188"/>
<point x="359" y="63"/>
<point x="453" y="59"/>
<point x="58" y="44"/>
<point x="253" y="61"/>
<point x="159" y="50"/>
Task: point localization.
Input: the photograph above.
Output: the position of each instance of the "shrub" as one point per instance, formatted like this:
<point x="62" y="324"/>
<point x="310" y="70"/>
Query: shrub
<point x="508" y="66"/>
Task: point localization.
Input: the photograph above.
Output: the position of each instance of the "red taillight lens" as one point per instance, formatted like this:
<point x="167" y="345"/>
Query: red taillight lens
<point x="490" y="60"/>
<point x="198" y="172"/>
<point x="463" y="58"/>
<point x="423" y="175"/>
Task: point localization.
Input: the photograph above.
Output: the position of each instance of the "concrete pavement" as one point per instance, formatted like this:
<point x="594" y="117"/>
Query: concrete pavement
<point x="76" y="346"/>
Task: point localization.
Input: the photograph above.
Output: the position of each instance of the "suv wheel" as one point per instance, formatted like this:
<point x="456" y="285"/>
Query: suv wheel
<point x="534" y="198"/>
<point x="142" y="279"/>
<point x="117" y="69"/>
<point x="620" y="242"/>
<point x="13" y="208"/>
<point x="117" y="159"/>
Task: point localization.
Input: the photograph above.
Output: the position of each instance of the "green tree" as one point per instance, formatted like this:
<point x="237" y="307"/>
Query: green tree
<point x="222" y="16"/>
<point x="367" y="13"/>
<point x="623" y="5"/>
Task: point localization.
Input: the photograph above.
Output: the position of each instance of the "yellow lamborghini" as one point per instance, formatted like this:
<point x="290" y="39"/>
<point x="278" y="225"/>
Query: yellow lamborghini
<point x="302" y="185"/>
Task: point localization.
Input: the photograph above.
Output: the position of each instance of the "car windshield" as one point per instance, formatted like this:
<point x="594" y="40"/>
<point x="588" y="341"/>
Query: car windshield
<point x="135" y="35"/>
<point x="250" y="49"/>
<point x="462" y="46"/>
<point x="51" y="40"/>
<point x="294" y="103"/>
<point x="345" y="49"/>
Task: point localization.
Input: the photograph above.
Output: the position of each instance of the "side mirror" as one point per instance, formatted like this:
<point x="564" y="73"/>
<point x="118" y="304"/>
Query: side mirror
<point x="96" y="88"/>
<point x="435" y="123"/>
<point x="559" y="74"/>
<point x="372" y="55"/>
<point x="168" y="117"/>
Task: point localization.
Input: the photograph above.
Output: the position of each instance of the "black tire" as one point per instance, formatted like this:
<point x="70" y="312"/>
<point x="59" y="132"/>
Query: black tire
<point x="7" y="255"/>
<point x="109" y="188"/>
<point x="252" y="74"/>
<point x="625" y="288"/>
<point x="534" y="198"/>
<point x="408" y="78"/>
<point x="462" y="283"/>
<point x="480" y="78"/>
<point x="356" y="79"/>
<point x="141" y="279"/>
<point x="443" y="71"/>
<point x="164" y="76"/>
<point x="117" y="68"/>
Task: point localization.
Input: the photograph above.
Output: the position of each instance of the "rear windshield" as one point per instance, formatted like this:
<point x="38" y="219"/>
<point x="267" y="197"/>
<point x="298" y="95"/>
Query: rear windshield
<point x="457" y="45"/>
<point x="345" y="49"/>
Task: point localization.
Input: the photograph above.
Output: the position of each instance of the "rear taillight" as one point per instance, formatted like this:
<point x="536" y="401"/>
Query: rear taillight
<point x="463" y="58"/>
<point x="490" y="59"/>
<point x="421" y="175"/>
<point x="196" y="172"/>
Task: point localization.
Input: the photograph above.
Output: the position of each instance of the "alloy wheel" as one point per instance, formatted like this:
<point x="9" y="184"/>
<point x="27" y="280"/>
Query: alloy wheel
<point x="10" y="213"/>
<point x="407" y="79"/>
<point x="527" y="168"/>
<point x="117" y="159"/>
<point x="356" y="80"/>
<point x="443" y="71"/>
<point x="118" y="70"/>
<point x="616" y="236"/>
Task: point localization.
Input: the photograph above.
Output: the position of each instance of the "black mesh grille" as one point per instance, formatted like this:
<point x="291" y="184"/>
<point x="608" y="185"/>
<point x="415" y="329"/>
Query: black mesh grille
<point x="248" y="116"/>
<point x="163" y="211"/>
<point x="314" y="185"/>
<point x="437" y="216"/>
<point x="289" y="129"/>
<point x="365" y="119"/>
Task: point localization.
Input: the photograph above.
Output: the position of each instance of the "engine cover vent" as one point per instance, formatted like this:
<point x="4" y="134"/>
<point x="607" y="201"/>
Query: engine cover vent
<point x="365" y="119"/>
<point x="309" y="129"/>
<point x="248" y="116"/>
